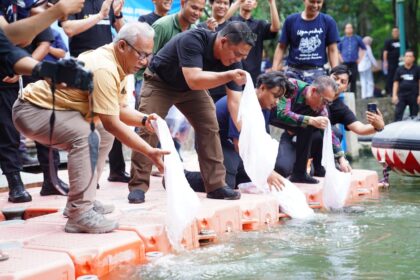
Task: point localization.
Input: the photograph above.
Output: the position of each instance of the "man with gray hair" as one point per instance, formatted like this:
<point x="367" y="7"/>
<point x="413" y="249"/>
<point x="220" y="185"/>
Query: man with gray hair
<point x="300" y="115"/>
<point x="107" y="104"/>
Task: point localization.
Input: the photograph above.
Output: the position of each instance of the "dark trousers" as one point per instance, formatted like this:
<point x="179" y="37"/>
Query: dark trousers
<point x="198" y="107"/>
<point x="392" y="67"/>
<point x="116" y="158"/>
<point x="293" y="153"/>
<point x="353" y="68"/>
<point x="10" y="137"/>
<point x="403" y="101"/>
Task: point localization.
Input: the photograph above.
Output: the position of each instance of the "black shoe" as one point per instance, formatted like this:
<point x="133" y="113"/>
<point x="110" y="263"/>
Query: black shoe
<point x="319" y="171"/>
<point x="49" y="189"/>
<point x="304" y="178"/>
<point x="136" y="196"/>
<point x="224" y="193"/>
<point x="122" y="177"/>
<point x="17" y="192"/>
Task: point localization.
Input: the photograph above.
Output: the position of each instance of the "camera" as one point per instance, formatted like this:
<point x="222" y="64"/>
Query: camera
<point x="372" y="107"/>
<point x="69" y="71"/>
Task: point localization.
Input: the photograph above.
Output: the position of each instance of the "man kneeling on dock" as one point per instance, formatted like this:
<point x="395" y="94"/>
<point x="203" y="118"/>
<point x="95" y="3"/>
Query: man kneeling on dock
<point x="110" y="65"/>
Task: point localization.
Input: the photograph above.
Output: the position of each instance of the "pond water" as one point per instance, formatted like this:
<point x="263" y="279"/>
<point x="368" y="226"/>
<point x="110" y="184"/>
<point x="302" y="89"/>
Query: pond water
<point x="381" y="243"/>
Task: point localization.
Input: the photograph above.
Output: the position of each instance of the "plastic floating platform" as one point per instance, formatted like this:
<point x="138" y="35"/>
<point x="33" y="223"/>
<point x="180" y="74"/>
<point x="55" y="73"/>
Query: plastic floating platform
<point x="42" y="250"/>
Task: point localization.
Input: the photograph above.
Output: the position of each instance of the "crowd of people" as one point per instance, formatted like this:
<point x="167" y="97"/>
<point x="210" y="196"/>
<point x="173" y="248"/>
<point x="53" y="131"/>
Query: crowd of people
<point x="198" y="68"/>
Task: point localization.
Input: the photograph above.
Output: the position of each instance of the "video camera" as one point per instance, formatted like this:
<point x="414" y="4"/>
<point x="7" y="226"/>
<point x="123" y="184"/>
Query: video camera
<point x="69" y="71"/>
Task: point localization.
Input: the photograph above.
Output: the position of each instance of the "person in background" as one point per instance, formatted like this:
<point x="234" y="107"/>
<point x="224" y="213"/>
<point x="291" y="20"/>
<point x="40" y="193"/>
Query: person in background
<point x="311" y="38"/>
<point x="352" y="50"/>
<point x="217" y="20"/>
<point x="162" y="7"/>
<point x="406" y="90"/>
<point x="264" y="31"/>
<point x="365" y="70"/>
<point x="391" y="57"/>
<point x="58" y="48"/>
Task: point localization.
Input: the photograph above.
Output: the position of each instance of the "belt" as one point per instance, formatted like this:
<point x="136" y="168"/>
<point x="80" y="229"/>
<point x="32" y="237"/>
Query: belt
<point x="305" y="67"/>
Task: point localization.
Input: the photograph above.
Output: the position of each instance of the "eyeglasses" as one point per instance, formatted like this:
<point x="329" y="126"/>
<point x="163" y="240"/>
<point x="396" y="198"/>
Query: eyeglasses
<point x="140" y="54"/>
<point x="325" y="101"/>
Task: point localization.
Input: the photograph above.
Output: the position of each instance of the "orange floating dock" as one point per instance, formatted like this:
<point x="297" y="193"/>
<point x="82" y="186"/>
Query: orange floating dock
<point x="38" y="247"/>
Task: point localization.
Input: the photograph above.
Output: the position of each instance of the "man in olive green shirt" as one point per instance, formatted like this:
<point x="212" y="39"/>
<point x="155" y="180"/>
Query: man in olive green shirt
<point x="165" y="29"/>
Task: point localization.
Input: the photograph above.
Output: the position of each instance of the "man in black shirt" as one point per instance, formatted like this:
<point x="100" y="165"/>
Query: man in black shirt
<point x="406" y="87"/>
<point x="179" y="74"/>
<point x="391" y="56"/>
<point x="162" y="8"/>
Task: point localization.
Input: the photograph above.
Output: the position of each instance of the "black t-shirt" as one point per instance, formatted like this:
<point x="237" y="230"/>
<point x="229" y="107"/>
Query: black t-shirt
<point x="9" y="55"/>
<point x="192" y="48"/>
<point x="408" y="80"/>
<point x="98" y="35"/>
<point x="338" y="112"/>
<point x="393" y="48"/>
<point x="149" y="18"/>
<point x="252" y="63"/>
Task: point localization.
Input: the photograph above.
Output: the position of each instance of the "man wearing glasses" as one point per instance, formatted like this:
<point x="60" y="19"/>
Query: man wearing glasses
<point x="180" y="74"/>
<point x="110" y="65"/>
<point x="300" y="115"/>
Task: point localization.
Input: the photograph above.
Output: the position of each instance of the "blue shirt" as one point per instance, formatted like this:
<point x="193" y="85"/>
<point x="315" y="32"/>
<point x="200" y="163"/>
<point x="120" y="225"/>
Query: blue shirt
<point x="308" y="40"/>
<point x="227" y="128"/>
<point x="349" y="48"/>
<point x="58" y="43"/>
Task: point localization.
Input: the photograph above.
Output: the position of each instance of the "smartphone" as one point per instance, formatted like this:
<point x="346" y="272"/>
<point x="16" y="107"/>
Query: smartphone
<point x="372" y="107"/>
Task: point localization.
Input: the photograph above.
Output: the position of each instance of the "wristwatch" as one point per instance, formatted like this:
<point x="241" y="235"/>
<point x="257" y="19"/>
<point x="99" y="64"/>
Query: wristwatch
<point x="118" y="17"/>
<point x="378" y="130"/>
<point x="143" y="120"/>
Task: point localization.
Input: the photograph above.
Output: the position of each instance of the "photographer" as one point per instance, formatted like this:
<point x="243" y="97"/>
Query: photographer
<point x="107" y="104"/>
<point x="10" y="162"/>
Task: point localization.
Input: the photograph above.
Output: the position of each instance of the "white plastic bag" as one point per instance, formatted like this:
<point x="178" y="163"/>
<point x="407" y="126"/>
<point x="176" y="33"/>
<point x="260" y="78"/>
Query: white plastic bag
<point x="336" y="183"/>
<point x="178" y="124"/>
<point x="256" y="147"/>
<point x="182" y="201"/>
<point x="293" y="202"/>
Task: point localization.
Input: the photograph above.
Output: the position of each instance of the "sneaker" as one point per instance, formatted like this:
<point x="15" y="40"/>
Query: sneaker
<point x="89" y="222"/>
<point x="136" y="196"/>
<point x="305" y="178"/>
<point x="224" y="193"/>
<point x="98" y="207"/>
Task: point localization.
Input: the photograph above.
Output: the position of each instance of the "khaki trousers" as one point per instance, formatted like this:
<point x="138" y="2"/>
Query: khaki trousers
<point x="71" y="133"/>
<point x="198" y="107"/>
